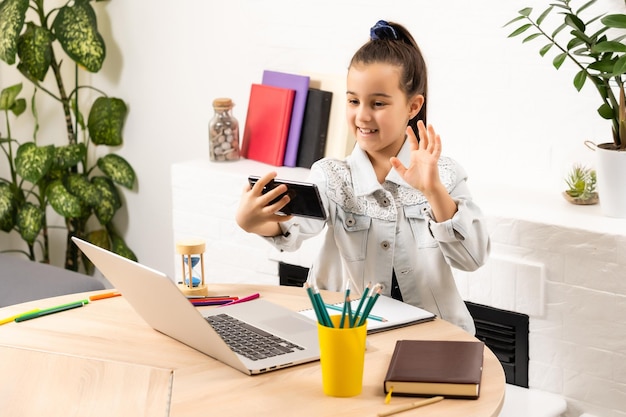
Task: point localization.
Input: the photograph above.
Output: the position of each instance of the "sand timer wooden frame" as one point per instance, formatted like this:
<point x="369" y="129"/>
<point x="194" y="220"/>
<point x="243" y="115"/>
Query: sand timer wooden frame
<point x="187" y="248"/>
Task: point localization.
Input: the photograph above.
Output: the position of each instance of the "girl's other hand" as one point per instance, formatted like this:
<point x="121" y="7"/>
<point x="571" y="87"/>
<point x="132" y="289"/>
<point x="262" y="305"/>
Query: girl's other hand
<point x="423" y="171"/>
<point x="255" y="214"/>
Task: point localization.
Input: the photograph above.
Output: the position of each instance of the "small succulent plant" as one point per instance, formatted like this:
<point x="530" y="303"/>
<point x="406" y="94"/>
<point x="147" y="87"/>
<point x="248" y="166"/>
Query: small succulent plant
<point x="581" y="182"/>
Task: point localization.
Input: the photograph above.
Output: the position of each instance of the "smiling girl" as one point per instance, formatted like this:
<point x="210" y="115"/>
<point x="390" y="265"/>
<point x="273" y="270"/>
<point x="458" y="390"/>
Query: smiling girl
<point x="399" y="213"/>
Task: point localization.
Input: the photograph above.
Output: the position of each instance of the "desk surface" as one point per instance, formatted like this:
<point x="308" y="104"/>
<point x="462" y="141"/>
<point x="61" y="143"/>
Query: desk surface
<point x="105" y="357"/>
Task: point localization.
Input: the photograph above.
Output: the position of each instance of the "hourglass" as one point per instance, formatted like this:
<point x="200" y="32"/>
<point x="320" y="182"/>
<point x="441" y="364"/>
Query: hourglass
<point x="192" y="254"/>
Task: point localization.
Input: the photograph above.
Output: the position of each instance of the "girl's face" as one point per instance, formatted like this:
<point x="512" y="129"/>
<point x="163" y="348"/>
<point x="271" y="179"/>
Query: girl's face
<point x="377" y="110"/>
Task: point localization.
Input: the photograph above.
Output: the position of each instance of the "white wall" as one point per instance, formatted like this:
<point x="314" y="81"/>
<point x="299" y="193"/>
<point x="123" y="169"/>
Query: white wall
<point x="504" y="112"/>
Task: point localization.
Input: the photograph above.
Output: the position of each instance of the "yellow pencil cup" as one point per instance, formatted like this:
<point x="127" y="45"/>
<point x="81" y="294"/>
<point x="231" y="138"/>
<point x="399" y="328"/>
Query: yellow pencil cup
<point x="342" y="355"/>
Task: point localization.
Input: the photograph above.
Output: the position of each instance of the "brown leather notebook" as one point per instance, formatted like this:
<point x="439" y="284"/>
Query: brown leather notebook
<point x="435" y="367"/>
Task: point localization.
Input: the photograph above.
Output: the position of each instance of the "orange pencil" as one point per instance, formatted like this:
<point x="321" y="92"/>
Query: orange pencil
<point x="103" y="296"/>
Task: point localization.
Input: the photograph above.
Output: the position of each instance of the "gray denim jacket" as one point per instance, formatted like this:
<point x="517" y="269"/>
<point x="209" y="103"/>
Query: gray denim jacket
<point x="375" y="228"/>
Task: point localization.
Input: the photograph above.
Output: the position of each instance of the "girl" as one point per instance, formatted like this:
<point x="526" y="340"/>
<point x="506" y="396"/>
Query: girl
<point x="399" y="214"/>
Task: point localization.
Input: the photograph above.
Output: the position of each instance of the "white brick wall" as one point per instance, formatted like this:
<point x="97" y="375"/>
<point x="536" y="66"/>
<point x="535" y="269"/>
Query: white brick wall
<point x="564" y="266"/>
<point x="572" y="284"/>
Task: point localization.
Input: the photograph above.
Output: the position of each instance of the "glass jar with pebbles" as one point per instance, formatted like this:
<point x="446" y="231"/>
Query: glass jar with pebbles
<point x="223" y="132"/>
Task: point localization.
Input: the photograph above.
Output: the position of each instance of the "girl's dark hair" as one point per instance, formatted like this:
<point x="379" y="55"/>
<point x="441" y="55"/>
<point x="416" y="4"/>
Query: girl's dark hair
<point x="392" y="43"/>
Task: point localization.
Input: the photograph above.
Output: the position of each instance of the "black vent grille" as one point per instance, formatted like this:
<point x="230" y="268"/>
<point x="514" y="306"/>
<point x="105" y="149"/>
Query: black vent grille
<point x="506" y="334"/>
<point x="292" y="275"/>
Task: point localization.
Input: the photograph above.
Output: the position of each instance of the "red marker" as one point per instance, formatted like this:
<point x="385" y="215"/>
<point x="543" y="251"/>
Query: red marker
<point x="243" y="300"/>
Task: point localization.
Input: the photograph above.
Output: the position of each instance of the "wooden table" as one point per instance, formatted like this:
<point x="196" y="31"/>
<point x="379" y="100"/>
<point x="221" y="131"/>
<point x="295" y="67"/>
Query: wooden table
<point x="104" y="360"/>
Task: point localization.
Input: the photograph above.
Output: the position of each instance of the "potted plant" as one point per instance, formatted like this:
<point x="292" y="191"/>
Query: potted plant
<point x="595" y="44"/>
<point x="77" y="180"/>
<point x="581" y="185"/>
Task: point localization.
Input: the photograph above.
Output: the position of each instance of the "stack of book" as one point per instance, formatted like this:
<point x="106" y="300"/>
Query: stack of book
<point x="287" y="121"/>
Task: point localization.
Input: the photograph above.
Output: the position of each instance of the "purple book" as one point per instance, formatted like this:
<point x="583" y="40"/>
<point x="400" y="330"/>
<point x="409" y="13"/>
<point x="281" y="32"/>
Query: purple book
<point x="299" y="83"/>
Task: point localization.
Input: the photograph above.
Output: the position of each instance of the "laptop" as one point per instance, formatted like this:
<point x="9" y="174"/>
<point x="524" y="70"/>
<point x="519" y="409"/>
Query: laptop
<point x="157" y="299"/>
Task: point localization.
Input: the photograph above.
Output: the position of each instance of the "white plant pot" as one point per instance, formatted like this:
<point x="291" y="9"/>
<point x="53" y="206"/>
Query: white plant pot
<point x="611" y="177"/>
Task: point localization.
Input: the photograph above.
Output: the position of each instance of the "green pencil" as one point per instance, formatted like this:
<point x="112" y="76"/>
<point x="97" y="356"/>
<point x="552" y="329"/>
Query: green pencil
<point x="346" y="306"/>
<point x="316" y="309"/>
<point x="369" y="306"/>
<point x="358" y="309"/>
<point x="323" y="312"/>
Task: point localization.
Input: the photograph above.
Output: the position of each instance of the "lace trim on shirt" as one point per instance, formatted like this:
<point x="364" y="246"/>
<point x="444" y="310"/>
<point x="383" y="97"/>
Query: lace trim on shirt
<point x="341" y="191"/>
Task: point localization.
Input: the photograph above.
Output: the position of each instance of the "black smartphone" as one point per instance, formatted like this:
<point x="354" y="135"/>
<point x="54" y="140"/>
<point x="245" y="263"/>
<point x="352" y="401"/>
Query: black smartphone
<point x="305" y="197"/>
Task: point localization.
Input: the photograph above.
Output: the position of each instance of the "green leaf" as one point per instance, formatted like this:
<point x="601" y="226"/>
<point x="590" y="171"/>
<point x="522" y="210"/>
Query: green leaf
<point x="69" y="155"/>
<point x="615" y="21"/>
<point x="579" y="79"/>
<point x="30" y="221"/>
<point x="80" y="186"/>
<point x="100" y="238"/>
<point x="558" y="30"/>
<point x="581" y="35"/>
<point x="585" y="6"/>
<point x="531" y="37"/>
<point x="106" y="121"/>
<point x="620" y="66"/>
<point x="62" y="201"/>
<point x="117" y="169"/>
<point x="76" y="28"/>
<point x="544" y="15"/>
<point x="12" y="15"/>
<point x="19" y="107"/>
<point x="520" y="30"/>
<point x="110" y="201"/>
<point x="120" y="247"/>
<point x="604" y="67"/>
<point x="32" y="162"/>
<point x="35" y="51"/>
<point x="518" y="18"/>
<point x="526" y="12"/>
<point x="575" y="22"/>
<point x="545" y="49"/>
<point x="8" y="207"/>
<point x="574" y="42"/>
<point x="608" y="46"/>
<point x="8" y="97"/>
<point x="558" y="60"/>
<point x="605" y="111"/>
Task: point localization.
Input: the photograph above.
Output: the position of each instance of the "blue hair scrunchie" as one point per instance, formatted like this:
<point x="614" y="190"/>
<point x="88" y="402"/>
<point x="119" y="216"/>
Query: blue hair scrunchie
<point x="382" y="30"/>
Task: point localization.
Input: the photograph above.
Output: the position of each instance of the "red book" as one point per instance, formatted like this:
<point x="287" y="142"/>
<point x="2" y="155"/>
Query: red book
<point x="267" y="124"/>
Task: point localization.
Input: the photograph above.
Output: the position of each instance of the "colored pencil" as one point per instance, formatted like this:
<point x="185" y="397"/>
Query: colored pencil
<point x="358" y="309"/>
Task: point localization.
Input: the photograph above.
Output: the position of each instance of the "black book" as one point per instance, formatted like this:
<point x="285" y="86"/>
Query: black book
<point x="314" y="127"/>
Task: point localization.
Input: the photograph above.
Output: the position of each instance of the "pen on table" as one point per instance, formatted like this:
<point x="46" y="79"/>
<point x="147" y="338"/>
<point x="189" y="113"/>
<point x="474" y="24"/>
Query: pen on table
<point x="104" y="296"/>
<point x="410" y="406"/>
<point x="12" y="318"/>
<point x="224" y="298"/>
<point x="191" y="297"/>
<point x="213" y="302"/>
<point x="51" y="310"/>
<point x="243" y="300"/>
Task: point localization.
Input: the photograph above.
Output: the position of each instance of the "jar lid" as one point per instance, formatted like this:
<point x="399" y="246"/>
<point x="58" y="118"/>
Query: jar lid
<point x="222" y="103"/>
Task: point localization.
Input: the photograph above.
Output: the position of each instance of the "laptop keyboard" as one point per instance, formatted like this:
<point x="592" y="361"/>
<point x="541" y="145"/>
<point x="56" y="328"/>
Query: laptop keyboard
<point x="249" y="341"/>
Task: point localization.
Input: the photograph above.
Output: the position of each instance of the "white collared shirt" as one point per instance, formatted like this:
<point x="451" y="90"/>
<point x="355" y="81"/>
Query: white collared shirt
<point x="374" y="228"/>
